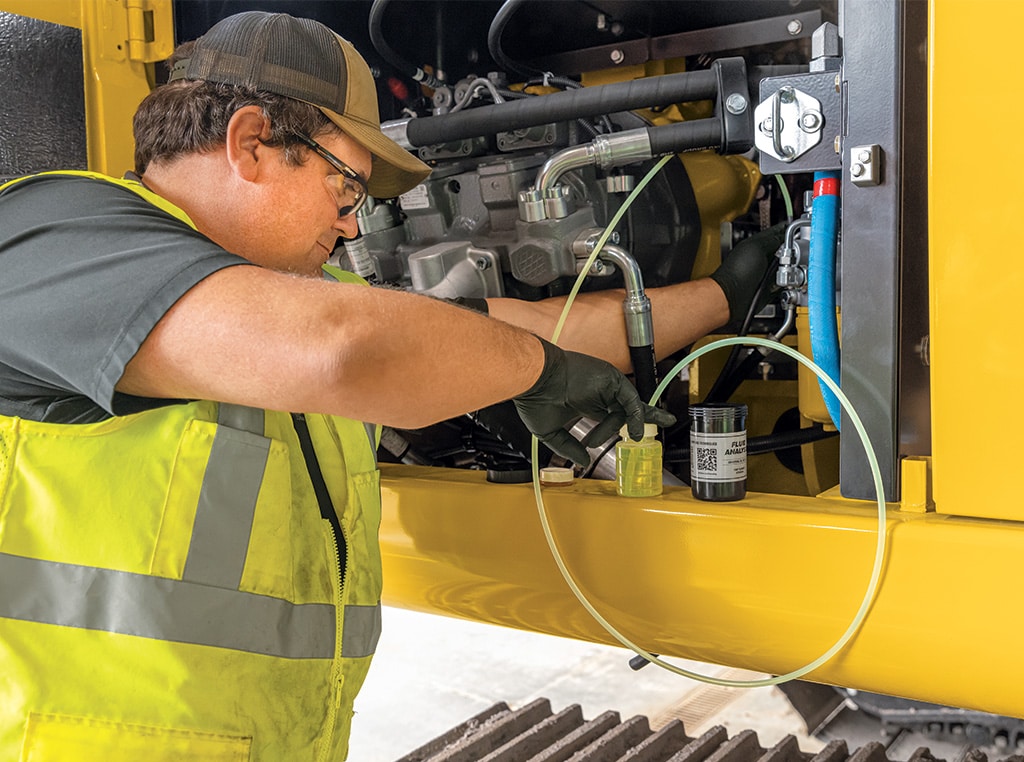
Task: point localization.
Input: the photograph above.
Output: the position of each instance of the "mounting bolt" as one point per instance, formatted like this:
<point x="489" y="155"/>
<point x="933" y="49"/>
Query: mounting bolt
<point x="483" y="263"/>
<point x="810" y="121"/>
<point x="617" y="56"/>
<point x="794" y="27"/>
<point x="735" y="104"/>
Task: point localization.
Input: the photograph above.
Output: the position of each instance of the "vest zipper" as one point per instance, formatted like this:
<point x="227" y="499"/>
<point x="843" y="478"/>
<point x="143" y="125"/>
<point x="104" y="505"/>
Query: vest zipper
<point x="329" y="514"/>
<point x="323" y="497"/>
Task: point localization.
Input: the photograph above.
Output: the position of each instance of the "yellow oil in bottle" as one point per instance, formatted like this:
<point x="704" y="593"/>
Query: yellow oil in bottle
<point x="638" y="464"/>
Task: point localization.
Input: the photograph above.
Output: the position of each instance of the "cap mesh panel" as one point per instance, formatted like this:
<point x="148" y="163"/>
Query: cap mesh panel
<point x="300" y="59"/>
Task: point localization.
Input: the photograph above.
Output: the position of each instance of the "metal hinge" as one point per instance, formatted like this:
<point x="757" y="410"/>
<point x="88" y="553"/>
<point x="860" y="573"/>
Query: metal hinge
<point x="136" y="30"/>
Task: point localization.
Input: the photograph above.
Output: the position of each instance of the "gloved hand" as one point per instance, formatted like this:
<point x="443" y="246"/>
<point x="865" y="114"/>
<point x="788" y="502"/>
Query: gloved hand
<point x="572" y="385"/>
<point x="743" y="269"/>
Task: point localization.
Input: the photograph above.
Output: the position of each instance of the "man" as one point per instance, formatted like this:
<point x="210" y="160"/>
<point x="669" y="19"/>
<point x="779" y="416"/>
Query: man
<point x="185" y="571"/>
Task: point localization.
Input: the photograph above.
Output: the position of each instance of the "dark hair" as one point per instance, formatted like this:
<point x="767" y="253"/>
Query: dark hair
<point x="191" y="116"/>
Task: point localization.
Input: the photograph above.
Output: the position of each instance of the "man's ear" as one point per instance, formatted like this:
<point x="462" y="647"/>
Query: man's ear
<point x="246" y="129"/>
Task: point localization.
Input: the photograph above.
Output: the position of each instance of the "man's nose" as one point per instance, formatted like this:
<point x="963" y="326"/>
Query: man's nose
<point x="348" y="226"/>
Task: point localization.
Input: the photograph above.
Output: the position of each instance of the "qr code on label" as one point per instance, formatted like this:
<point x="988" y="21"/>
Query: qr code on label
<point x="707" y="459"/>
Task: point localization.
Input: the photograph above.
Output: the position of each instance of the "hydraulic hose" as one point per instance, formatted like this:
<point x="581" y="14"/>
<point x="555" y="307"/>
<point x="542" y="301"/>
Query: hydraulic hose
<point x="821" y="284"/>
<point x="645" y="370"/>
<point x="494" y="33"/>
<point x="388" y="53"/>
<point x="636" y="309"/>
<point x="571" y="104"/>
<point x="685" y="136"/>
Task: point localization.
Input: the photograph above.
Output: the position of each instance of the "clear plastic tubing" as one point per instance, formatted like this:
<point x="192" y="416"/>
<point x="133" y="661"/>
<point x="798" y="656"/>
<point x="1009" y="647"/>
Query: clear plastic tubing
<point x="718" y="451"/>
<point x="638" y="464"/>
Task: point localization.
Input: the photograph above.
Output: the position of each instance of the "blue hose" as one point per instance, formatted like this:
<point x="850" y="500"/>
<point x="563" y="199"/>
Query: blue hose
<point x="821" y="284"/>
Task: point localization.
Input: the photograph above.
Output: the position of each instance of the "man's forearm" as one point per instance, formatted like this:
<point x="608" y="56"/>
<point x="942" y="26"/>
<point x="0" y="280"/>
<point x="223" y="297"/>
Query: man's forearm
<point x="682" y="313"/>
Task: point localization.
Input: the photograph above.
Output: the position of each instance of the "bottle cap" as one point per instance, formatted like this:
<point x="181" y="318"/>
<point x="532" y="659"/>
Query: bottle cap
<point x="555" y="476"/>
<point x="650" y="430"/>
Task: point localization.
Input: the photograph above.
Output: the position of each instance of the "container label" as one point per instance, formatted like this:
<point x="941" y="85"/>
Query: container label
<point x="417" y="198"/>
<point x="718" y="457"/>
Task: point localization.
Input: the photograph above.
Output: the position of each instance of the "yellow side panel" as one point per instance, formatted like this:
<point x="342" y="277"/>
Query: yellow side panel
<point x="976" y="268"/>
<point x="120" y="41"/>
<point x="767" y="583"/>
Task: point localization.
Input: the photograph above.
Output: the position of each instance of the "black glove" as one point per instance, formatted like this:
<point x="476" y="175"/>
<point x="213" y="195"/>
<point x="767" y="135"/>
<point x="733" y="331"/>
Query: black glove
<point x="572" y="385"/>
<point x="743" y="269"/>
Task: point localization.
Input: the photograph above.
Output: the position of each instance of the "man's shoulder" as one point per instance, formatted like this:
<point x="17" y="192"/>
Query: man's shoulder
<point x="79" y="189"/>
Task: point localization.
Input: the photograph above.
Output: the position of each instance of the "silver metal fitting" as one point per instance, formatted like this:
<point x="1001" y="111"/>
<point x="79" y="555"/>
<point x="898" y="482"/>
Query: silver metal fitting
<point x="557" y="202"/>
<point x="531" y="206"/>
<point x="397" y="130"/>
<point x="622" y="148"/>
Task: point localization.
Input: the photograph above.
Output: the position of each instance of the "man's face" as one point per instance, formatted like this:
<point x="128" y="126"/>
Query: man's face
<point x="298" y="224"/>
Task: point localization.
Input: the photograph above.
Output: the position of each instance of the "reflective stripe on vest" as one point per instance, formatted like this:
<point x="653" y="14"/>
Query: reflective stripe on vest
<point x="164" y="609"/>
<point x="205" y="607"/>
<point x="227" y="500"/>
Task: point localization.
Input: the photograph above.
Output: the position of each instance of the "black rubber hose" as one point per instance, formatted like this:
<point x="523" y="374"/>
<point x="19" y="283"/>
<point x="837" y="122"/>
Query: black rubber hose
<point x="645" y="372"/>
<point x="400" y="447"/>
<point x="388" y="53"/>
<point x="685" y="136"/>
<point x="494" y="33"/>
<point x="557" y="107"/>
<point x="564" y="83"/>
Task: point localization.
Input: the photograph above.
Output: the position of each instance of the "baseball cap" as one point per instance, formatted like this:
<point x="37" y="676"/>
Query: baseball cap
<point x="303" y="59"/>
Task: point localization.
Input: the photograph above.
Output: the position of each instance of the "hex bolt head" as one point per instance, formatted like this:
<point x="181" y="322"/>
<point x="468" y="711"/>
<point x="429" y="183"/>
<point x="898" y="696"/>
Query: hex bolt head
<point x="483" y="263"/>
<point x="864" y="157"/>
<point x="794" y="27"/>
<point x="617" y="56"/>
<point x="810" y="121"/>
<point x="735" y="104"/>
<point x="857" y="170"/>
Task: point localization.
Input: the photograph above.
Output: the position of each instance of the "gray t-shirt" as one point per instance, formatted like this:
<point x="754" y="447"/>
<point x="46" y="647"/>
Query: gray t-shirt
<point x="87" y="269"/>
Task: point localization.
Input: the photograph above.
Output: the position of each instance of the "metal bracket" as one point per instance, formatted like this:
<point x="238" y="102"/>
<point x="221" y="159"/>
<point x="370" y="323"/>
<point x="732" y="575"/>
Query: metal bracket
<point x="866" y="165"/>
<point x="789" y="124"/>
<point x="732" y="105"/>
<point x="797" y="121"/>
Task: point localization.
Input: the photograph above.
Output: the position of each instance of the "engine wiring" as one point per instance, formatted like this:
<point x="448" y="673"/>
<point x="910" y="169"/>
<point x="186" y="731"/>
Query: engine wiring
<point x="880" y="547"/>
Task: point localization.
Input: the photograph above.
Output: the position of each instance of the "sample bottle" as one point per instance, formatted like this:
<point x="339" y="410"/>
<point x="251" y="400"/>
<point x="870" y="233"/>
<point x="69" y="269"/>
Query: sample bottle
<point x="718" y="451"/>
<point x="638" y="464"/>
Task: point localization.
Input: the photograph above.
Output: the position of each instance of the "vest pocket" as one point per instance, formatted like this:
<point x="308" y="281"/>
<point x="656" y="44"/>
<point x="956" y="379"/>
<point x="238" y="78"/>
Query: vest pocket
<point x="53" y="738"/>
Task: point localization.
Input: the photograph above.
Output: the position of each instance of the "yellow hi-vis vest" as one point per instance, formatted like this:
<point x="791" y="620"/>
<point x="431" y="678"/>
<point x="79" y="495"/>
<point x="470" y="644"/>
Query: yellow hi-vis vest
<point x="169" y="589"/>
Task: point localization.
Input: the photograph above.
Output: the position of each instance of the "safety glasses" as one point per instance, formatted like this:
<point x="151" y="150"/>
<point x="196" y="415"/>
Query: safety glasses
<point x="347" y="187"/>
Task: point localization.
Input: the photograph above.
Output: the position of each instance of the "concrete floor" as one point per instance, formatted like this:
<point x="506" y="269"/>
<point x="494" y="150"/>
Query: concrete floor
<point x="431" y="673"/>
